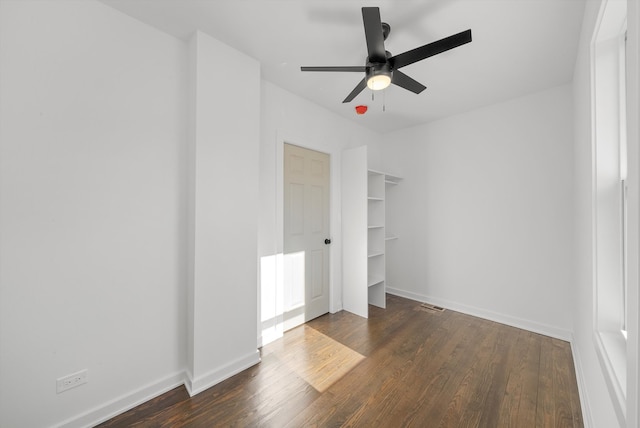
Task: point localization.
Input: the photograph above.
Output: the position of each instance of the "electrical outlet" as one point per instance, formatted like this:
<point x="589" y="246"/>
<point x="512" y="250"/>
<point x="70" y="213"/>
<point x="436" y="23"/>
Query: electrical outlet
<point x="71" y="381"/>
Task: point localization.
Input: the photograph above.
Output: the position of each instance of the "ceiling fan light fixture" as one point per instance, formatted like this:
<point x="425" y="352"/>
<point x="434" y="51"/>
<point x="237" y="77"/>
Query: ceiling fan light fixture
<point x="379" y="82"/>
<point x="379" y="76"/>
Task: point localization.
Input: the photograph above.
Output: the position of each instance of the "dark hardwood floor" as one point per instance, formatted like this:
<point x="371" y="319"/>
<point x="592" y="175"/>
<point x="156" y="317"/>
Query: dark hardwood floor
<point x="403" y="367"/>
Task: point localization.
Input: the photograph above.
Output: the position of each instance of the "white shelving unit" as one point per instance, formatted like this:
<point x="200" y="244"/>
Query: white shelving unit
<point x="376" y="239"/>
<point x="364" y="232"/>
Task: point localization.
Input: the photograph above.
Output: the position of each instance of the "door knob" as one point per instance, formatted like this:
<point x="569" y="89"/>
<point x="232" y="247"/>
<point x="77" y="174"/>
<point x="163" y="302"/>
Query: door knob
<point x="327" y="241"/>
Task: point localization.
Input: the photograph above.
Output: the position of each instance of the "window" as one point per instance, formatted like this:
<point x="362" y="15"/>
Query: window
<point x="622" y="124"/>
<point x="610" y="196"/>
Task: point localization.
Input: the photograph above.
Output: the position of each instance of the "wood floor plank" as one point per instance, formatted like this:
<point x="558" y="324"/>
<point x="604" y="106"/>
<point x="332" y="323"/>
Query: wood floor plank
<point x="356" y="392"/>
<point x="398" y="394"/>
<point x="437" y="375"/>
<point x="556" y="387"/>
<point x="401" y="367"/>
<point x="572" y="386"/>
<point x="466" y="406"/>
<point x="518" y="407"/>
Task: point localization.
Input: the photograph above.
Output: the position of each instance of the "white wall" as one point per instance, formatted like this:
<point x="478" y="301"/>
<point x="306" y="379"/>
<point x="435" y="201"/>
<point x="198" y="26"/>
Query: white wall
<point x="92" y="209"/>
<point x="288" y="117"/>
<point x="223" y="159"/>
<point x="483" y="214"/>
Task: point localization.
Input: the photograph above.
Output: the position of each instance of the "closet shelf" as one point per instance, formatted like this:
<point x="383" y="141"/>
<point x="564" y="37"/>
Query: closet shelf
<point x="388" y="178"/>
<point x="375" y="281"/>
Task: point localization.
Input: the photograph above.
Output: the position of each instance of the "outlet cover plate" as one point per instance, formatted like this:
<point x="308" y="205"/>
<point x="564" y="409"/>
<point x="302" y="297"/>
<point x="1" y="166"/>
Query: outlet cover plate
<point x="71" y="381"/>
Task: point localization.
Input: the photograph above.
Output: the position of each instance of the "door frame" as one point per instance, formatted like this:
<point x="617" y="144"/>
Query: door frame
<point x="285" y="137"/>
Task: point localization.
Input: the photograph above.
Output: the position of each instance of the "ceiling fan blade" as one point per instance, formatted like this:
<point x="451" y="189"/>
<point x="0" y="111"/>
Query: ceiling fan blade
<point x="356" y="68"/>
<point x="404" y="81"/>
<point x="373" y="34"/>
<point x="356" y="90"/>
<point x="430" y="49"/>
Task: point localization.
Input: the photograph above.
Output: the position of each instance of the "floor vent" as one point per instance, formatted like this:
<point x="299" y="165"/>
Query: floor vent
<point x="431" y="308"/>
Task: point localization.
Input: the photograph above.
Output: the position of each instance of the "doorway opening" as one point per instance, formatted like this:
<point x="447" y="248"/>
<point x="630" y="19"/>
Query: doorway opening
<point x="305" y="235"/>
<point x="295" y="280"/>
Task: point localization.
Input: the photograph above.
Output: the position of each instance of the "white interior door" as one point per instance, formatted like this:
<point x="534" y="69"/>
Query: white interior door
<point x="306" y="227"/>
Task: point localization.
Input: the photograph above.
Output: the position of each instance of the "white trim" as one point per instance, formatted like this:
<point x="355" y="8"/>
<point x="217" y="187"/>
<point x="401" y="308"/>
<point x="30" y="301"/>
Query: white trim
<point x="123" y="403"/>
<point x="214" y="377"/>
<point x="616" y="391"/>
<point x="587" y="419"/>
<point x="633" y="143"/>
<point x="594" y="182"/>
<point x="607" y="28"/>
<point x="524" y="324"/>
<point x="132" y="399"/>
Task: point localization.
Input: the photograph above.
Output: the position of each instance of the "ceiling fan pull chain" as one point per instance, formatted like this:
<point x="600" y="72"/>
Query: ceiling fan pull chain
<point x="384" y="100"/>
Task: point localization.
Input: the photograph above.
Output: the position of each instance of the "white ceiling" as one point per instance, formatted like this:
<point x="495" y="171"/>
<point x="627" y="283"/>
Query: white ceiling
<point x="519" y="47"/>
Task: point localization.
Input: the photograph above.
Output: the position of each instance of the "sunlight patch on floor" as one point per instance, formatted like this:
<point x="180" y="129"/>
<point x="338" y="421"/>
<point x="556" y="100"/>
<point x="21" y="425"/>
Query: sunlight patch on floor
<point x="315" y="357"/>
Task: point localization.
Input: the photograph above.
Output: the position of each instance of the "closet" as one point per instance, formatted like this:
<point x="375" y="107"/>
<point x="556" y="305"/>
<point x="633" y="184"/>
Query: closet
<point x="364" y="232"/>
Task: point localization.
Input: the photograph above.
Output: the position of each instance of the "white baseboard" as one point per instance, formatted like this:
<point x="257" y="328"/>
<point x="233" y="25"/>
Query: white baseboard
<point x="524" y="324"/>
<point x="582" y="388"/>
<point x="128" y="401"/>
<point x="196" y="385"/>
<point x="123" y="403"/>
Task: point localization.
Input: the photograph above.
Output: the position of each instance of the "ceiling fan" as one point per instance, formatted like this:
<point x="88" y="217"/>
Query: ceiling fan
<point x="381" y="68"/>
